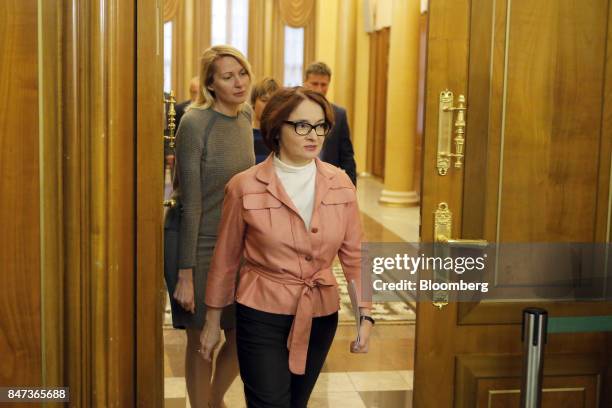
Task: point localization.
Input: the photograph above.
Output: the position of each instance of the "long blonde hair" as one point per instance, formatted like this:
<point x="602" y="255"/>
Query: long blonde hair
<point x="207" y="71"/>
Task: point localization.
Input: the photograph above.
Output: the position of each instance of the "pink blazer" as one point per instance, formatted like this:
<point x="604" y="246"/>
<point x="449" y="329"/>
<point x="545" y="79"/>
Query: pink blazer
<point x="287" y="268"/>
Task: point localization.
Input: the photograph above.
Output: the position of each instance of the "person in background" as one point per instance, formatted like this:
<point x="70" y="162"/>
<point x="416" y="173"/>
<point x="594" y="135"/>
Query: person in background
<point x="214" y="142"/>
<point x="338" y="148"/>
<point x="260" y="95"/>
<point x="288" y="217"/>
<point x="180" y="109"/>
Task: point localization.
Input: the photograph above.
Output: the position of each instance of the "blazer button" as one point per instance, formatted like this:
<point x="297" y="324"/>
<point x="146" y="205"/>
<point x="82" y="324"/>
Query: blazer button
<point x="314" y="230"/>
<point x="308" y="258"/>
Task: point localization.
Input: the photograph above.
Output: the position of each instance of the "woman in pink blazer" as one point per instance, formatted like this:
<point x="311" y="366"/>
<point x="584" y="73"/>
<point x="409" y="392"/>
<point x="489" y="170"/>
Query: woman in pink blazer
<point x="288" y="217"/>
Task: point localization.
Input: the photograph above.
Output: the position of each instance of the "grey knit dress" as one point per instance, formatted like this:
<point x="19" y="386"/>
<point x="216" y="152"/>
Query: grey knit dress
<point x="210" y="149"/>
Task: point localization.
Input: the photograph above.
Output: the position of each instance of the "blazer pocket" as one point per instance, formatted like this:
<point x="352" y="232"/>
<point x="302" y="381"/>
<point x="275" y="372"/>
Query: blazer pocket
<point x="341" y="195"/>
<point x="259" y="201"/>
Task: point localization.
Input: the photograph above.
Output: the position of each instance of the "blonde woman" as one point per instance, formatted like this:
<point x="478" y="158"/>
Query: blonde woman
<point x="214" y="142"/>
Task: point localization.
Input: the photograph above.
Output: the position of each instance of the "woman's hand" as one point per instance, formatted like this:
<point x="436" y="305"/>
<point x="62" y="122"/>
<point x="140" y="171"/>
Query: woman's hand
<point x="364" y="338"/>
<point x="209" y="338"/>
<point x="183" y="293"/>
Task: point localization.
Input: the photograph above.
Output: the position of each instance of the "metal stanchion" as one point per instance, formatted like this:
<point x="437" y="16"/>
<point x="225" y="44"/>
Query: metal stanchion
<point x="534" y="338"/>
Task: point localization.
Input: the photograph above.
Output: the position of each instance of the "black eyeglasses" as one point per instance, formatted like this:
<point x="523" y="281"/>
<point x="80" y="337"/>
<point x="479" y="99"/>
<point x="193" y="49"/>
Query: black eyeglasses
<point x="304" y="128"/>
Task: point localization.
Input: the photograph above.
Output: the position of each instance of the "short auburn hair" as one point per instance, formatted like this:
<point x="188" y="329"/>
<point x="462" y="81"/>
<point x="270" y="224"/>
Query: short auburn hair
<point x="280" y="106"/>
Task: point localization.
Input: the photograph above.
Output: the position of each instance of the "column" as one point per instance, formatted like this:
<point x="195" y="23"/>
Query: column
<point x="202" y="10"/>
<point x="399" y="189"/>
<point x="327" y="17"/>
<point x="345" y="56"/>
<point x="359" y="124"/>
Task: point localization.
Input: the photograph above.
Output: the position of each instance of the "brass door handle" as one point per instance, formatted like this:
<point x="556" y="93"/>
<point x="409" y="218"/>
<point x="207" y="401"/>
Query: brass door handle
<point x="443" y="220"/>
<point x="462" y="243"/>
<point x="171" y="101"/>
<point x="171" y="203"/>
<point x="445" y="131"/>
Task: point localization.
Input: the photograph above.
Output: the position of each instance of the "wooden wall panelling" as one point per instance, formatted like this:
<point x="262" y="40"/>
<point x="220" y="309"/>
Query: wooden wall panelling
<point x="603" y="229"/>
<point x="382" y="92"/>
<point x="563" y="138"/>
<point x="377" y="121"/>
<point x="121" y="203"/>
<point x="557" y="392"/>
<point x="20" y="251"/>
<point x="149" y="187"/>
<point x="99" y="266"/>
<point x="570" y="380"/>
<point x="418" y="162"/>
<point x="381" y="103"/>
<point x="52" y="214"/>
<point x="75" y="77"/>
<point x="112" y="202"/>
<point x="495" y="93"/>
<point x="588" y="138"/>
<point x="478" y="121"/>
<point x="606" y="394"/>
<point x="487" y="116"/>
<point x="98" y="178"/>
<point x="371" y="104"/>
<point x="383" y="38"/>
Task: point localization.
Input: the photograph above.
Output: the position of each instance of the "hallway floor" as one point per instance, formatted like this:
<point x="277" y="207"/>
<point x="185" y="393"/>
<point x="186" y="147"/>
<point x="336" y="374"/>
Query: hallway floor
<point x="382" y="378"/>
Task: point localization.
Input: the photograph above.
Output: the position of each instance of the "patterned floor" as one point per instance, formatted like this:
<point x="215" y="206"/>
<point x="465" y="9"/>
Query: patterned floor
<point x="385" y="389"/>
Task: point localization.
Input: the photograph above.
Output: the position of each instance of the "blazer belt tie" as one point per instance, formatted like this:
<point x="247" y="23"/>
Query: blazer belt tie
<point x="299" y="335"/>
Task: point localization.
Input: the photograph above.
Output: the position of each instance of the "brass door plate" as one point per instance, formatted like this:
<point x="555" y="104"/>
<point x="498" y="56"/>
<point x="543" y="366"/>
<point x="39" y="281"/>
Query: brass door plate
<point x="445" y="130"/>
<point x="442" y="228"/>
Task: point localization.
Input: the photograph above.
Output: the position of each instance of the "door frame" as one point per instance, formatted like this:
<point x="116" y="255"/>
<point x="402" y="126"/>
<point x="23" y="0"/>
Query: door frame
<point x="150" y="294"/>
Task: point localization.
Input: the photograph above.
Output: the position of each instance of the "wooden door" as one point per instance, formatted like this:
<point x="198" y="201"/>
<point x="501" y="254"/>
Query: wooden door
<point x="537" y="169"/>
<point x="377" y="119"/>
<point x="20" y="246"/>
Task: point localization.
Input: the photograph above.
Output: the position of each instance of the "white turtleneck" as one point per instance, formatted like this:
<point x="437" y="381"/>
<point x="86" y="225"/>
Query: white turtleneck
<point x="299" y="183"/>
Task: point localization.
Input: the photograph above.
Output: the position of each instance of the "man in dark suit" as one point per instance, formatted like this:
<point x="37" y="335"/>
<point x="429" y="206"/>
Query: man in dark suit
<point x="194" y="86"/>
<point x="338" y="148"/>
